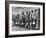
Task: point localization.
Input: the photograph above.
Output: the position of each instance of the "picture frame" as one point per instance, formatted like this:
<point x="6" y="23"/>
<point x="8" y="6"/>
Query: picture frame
<point x="21" y="5"/>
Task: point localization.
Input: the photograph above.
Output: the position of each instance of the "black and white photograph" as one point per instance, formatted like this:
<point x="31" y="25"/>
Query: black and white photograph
<point x="25" y="19"/>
